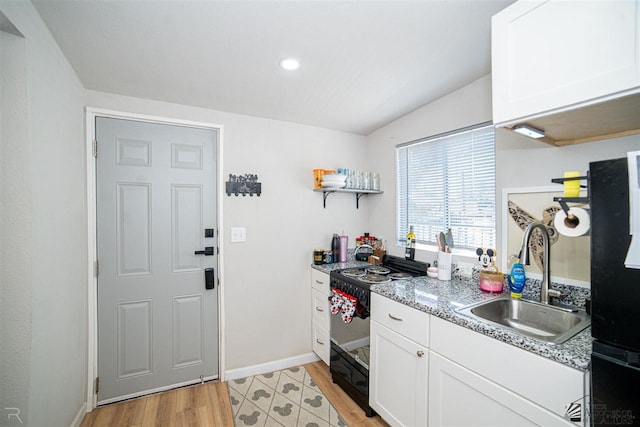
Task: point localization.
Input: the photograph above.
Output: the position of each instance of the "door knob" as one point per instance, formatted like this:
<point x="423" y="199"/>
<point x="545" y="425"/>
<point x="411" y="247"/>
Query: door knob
<point x="208" y="251"/>
<point x="420" y="353"/>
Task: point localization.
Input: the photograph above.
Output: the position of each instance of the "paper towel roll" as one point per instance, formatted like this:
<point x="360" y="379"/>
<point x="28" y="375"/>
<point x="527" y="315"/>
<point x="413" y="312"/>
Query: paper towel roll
<point x="579" y="226"/>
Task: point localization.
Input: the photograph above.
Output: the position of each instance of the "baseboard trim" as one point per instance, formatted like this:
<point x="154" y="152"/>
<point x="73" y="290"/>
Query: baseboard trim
<point x="276" y="365"/>
<point x="79" y="416"/>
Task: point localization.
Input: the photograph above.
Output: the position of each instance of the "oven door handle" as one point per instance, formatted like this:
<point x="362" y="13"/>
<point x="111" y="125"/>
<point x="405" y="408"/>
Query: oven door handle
<point x="394" y="317"/>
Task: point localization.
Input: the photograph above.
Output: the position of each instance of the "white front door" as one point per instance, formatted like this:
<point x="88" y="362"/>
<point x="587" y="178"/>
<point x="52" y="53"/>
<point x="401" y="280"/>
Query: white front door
<point x="156" y="207"/>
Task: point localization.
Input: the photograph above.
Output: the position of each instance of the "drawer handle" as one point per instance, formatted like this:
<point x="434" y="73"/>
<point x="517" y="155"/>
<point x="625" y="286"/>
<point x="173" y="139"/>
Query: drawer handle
<point x="320" y="310"/>
<point x="319" y="342"/>
<point x="420" y="353"/>
<point x="319" y="282"/>
<point x="395" y="318"/>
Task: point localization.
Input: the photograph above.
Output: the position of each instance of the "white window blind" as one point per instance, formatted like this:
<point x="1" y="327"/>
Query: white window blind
<point x="448" y="181"/>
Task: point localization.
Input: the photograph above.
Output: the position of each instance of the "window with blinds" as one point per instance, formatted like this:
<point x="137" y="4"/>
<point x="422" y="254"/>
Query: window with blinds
<point x="448" y="181"/>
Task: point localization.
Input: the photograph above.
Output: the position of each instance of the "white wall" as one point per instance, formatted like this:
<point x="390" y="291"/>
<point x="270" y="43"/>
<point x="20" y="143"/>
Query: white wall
<point x="44" y="320"/>
<point x="520" y="161"/>
<point x="523" y="162"/>
<point x="15" y="228"/>
<point x="467" y="106"/>
<point x="267" y="278"/>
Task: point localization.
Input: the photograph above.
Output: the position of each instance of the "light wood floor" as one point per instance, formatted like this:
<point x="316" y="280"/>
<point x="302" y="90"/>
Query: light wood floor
<point x="208" y="405"/>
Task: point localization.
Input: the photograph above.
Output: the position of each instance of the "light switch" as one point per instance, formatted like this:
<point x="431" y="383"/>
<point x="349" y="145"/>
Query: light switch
<point x="238" y="234"/>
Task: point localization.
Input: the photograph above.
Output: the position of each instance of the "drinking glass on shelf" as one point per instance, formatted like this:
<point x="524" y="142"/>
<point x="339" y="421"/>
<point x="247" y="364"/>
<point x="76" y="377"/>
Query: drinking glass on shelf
<point x="376" y="181"/>
<point x="350" y="178"/>
<point x="366" y="181"/>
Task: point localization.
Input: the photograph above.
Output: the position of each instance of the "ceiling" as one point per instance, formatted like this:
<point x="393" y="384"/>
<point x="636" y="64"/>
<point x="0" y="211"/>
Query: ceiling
<point x="363" y="64"/>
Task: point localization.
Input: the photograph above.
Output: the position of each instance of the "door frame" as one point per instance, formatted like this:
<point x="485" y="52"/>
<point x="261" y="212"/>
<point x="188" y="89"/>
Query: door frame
<point x="91" y="114"/>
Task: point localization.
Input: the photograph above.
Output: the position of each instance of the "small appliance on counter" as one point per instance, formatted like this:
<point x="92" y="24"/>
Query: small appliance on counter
<point x="615" y="291"/>
<point x="363" y="252"/>
<point x="370" y="249"/>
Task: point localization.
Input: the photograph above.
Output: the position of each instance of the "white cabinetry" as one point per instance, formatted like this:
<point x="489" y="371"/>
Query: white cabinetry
<point x="320" y="292"/>
<point x="475" y="380"/>
<point x="460" y="397"/>
<point x="399" y="362"/>
<point x="572" y="69"/>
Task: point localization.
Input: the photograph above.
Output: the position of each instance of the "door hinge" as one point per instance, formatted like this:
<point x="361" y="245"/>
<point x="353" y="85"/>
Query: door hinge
<point x="95" y="148"/>
<point x="97" y="384"/>
<point x="97" y="268"/>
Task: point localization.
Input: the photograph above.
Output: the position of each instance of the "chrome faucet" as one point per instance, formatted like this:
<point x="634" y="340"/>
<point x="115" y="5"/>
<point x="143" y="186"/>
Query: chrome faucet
<point x="546" y="293"/>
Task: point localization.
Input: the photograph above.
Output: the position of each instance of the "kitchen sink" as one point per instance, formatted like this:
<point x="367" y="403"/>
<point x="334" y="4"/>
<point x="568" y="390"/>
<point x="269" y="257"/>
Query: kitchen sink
<point x="543" y="322"/>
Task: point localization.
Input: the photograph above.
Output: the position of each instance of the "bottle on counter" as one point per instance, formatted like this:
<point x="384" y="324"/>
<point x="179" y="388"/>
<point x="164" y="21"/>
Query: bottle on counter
<point x="344" y="244"/>
<point x="335" y="247"/>
<point x="410" y="251"/>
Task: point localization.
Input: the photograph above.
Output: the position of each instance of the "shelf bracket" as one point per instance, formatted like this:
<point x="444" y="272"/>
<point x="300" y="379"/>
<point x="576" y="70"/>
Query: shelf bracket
<point x="324" y="198"/>
<point x="564" y="206"/>
<point x="359" y="193"/>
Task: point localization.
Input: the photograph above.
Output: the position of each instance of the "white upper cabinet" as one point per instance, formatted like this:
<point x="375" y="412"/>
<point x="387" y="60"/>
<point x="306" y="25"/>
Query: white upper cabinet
<point x="571" y="68"/>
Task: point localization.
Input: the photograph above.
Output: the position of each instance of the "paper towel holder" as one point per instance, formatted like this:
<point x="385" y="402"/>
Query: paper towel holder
<point x="564" y="200"/>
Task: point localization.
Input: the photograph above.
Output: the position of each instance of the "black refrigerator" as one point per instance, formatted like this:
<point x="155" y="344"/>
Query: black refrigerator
<point x="615" y="298"/>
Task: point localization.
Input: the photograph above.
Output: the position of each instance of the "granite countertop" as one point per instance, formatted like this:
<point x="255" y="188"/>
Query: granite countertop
<point x="351" y="263"/>
<point x="441" y="299"/>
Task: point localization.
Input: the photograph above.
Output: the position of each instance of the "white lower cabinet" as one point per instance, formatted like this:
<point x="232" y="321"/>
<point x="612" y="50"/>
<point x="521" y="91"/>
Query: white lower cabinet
<point x="426" y="371"/>
<point x="320" y="320"/>
<point x="398" y="384"/>
<point x="475" y="380"/>
<point x="321" y="344"/>
<point x="460" y="397"/>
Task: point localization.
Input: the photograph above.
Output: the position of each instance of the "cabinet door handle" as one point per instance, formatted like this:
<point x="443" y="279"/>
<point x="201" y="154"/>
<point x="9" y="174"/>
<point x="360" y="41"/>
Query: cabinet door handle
<point x="319" y="342"/>
<point x="319" y="282"/>
<point x="420" y="353"/>
<point x="320" y="310"/>
<point x="395" y="318"/>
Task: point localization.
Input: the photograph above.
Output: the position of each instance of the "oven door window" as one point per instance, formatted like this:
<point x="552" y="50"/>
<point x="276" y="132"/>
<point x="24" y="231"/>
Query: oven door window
<point x="352" y="338"/>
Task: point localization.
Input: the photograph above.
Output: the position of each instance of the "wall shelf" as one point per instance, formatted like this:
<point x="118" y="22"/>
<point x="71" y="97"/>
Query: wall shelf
<point x="359" y="193"/>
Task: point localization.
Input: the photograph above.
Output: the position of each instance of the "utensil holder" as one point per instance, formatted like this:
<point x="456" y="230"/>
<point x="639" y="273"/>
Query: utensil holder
<point x="444" y="265"/>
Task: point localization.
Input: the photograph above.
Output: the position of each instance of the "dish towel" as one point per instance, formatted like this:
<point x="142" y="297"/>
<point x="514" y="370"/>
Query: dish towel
<point x="344" y="304"/>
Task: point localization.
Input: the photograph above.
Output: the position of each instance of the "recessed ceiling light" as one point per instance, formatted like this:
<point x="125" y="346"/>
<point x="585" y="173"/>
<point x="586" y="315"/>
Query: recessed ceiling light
<point x="529" y="131"/>
<point x="290" y="64"/>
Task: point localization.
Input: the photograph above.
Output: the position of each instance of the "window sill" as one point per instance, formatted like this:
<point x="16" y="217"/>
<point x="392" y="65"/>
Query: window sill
<point x="457" y="252"/>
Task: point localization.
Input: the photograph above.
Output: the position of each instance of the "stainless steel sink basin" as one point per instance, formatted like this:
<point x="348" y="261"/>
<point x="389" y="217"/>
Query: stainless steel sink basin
<point x="544" y="322"/>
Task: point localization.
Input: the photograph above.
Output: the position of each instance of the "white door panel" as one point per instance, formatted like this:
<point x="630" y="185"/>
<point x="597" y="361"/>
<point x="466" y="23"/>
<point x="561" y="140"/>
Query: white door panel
<point x="157" y="324"/>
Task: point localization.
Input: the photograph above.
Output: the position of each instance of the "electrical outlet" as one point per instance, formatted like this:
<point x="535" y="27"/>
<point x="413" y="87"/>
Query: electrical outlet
<point x="238" y="234"/>
<point x="465" y="268"/>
